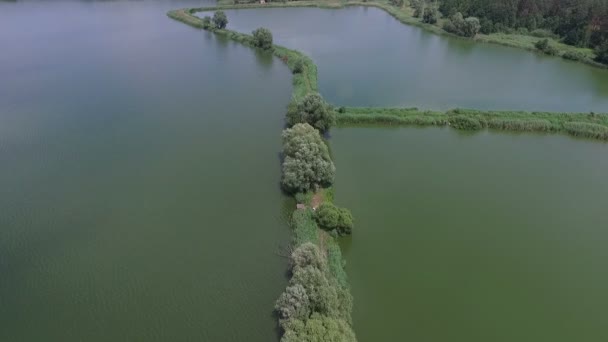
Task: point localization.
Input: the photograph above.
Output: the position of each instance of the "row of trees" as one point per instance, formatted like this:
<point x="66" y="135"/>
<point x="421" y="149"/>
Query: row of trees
<point x="314" y="307"/>
<point x="582" y="23"/>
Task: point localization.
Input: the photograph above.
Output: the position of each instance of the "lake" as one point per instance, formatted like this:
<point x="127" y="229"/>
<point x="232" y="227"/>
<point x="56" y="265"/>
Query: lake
<point x="366" y="57"/>
<point x="140" y="177"/>
<point x="140" y="180"/>
<point x="484" y="237"/>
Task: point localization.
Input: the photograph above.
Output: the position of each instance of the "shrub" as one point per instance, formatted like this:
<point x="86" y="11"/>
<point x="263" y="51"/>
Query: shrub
<point x="601" y="53"/>
<point x="207" y="23"/>
<point x="468" y="27"/>
<point x="307" y="163"/>
<point x="293" y="303"/>
<point x="430" y="15"/>
<point x="312" y="110"/>
<point x="544" y="46"/>
<point x="318" y="329"/>
<point x="331" y="217"/>
<point x="574" y="55"/>
<point x="397" y="3"/>
<point x="465" y="123"/>
<point x="220" y="20"/>
<point x="262" y="38"/>
<point x="307" y="254"/>
<point x="298" y="66"/>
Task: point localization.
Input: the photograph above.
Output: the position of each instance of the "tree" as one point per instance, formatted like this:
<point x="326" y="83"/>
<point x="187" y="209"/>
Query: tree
<point x="207" y="22"/>
<point x="319" y="328"/>
<point x="220" y="20"/>
<point x="601" y="53"/>
<point x="468" y="27"/>
<point x="312" y="110"/>
<point x="430" y="15"/>
<point x="331" y="217"/>
<point x="262" y="38"/>
<point x="307" y="164"/>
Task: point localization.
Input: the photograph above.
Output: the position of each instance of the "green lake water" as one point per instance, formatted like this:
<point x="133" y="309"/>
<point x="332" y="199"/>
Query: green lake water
<point x="140" y="177"/>
<point x="485" y="237"/>
<point x="140" y="166"/>
<point x="366" y="57"/>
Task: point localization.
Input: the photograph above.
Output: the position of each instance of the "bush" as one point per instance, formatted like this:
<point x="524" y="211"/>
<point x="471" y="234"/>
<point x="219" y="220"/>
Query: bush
<point x="318" y="329"/>
<point x="307" y="163"/>
<point x="601" y="53"/>
<point x="574" y="55"/>
<point x="207" y="23"/>
<point x="544" y="46"/>
<point x="468" y="27"/>
<point x="465" y="123"/>
<point x="298" y="66"/>
<point x="262" y="38"/>
<point x="430" y="15"/>
<point x="307" y="254"/>
<point x="220" y="20"/>
<point x="331" y="217"/>
<point x="312" y="110"/>
<point x="397" y="3"/>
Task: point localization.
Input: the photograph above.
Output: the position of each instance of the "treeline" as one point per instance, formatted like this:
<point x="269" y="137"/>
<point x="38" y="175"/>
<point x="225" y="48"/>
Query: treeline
<point x="317" y="304"/>
<point x="582" y="23"/>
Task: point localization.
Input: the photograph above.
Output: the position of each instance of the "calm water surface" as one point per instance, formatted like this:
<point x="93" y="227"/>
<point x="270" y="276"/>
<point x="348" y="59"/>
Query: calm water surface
<point x="139" y="177"/>
<point x="489" y="237"/>
<point x="140" y="166"/>
<point x="367" y="58"/>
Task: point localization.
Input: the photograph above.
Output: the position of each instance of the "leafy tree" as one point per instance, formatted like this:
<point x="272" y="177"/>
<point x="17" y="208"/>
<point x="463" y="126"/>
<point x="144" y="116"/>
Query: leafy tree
<point x="207" y="23"/>
<point x="220" y="20"/>
<point x="544" y="46"/>
<point x="262" y="38"/>
<point x="307" y="163"/>
<point x="601" y="53"/>
<point x="468" y="27"/>
<point x="319" y="328"/>
<point x="331" y="217"/>
<point x="313" y="110"/>
<point x="430" y="15"/>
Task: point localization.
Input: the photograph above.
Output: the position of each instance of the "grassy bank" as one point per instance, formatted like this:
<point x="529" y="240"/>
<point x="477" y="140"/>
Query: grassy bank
<point x="588" y="125"/>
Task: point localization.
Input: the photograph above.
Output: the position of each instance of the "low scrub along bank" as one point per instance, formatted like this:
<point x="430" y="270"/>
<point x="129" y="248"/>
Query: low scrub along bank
<point x="588" y="125"/>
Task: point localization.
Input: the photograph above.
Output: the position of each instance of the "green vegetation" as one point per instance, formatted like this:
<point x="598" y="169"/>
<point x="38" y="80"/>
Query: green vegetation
<point x="220" y="20"/>
<point x="468" y="27"/>
<point x="544" y="46"/>
<point x="589" y="125"/>
<point x="262" y="38"/>
<point x="312" y="110"/>
<point x="307" y="165"/>
<point x="335" y="219"/>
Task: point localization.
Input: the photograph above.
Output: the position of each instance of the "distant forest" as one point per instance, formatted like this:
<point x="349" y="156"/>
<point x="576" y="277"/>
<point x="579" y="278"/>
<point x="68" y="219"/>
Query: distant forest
<point x="582" y="23"/>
